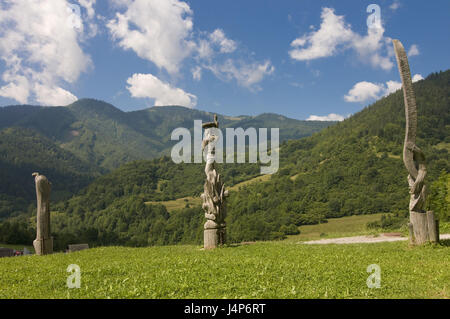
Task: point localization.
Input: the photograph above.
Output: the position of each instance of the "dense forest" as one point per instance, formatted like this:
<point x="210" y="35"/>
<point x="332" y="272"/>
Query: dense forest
<point x="353" y="167"/>
<point x="22" y="152"/>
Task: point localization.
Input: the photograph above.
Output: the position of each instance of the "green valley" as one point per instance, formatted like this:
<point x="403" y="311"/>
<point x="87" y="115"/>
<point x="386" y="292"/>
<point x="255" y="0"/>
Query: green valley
<point x="351" y="168"/>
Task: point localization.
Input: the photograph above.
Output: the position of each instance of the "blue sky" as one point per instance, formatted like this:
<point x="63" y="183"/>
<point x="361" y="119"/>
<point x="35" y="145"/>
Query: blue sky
<point x="301" y="58"/>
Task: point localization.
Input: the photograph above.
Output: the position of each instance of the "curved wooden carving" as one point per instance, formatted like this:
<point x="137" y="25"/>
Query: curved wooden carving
<point x="413" y="157"/>
<point x="423" y="226"/>
<point x="410" y="108"/>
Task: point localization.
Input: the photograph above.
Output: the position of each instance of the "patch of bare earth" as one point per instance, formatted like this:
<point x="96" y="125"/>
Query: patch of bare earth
<point x="365" y="239"/>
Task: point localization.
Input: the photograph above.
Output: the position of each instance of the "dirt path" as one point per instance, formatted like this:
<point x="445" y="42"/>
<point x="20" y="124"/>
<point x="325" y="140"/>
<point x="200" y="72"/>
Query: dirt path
<point x="363" y="239"/>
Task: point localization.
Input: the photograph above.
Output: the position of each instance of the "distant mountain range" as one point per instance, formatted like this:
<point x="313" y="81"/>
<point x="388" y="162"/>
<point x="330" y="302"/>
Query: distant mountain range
<point x="74" y="144"/>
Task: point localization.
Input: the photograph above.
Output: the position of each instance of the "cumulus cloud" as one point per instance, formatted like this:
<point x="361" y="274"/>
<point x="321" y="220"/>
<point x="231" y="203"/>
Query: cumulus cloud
<point x="391" y="87"/>
<point x="158" y="31"/>
<point x="417" y="77"/>
<point x="149" y="86"/>
<point x="40" y="47"/>
<point x="364" y="91"/>
<point x="197" y="73"/>
<point x="323" y="42"/>
<point x="413" y="50"/>
<point x="226" y="45"/>
<point x="329" y="117"/>
<point x="18" y="89"/>
<point x="162" y="32"/>
<point x="204" y="49"/>
<point x="212" y="44"/>
<point x="88" y="5"/>
<point x="395" y="5"/>
<point x="53" y="96"/>
<point x="247" y="75"/>
<point x="213" y="54"/>
<point x="336" y="35"/>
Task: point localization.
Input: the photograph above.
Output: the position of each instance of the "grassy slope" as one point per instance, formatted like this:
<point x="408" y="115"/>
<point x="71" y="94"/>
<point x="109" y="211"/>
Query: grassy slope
<point x="262" y="270"/>
<point x="336" y="227"/>
<point x="180" y="203"/>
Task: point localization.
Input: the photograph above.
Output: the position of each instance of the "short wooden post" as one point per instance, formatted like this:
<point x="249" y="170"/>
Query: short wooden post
<point x="210" y="238"/>
<point x="437" y="230"/>
<point x="431" y="221"/>
<point x="420" y="227"/>
<point x="411" y="233"/>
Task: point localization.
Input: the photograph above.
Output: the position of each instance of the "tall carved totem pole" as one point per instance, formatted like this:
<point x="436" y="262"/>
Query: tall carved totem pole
<point x="423" y="226"/>
<point x="43" y="244"/>
<point x="214" y="195"/>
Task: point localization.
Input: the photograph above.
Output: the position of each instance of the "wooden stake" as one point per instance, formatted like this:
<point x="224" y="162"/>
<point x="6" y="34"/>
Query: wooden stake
<point x="411" y="234"/>
<point x="431" y="221"/>
<point x="420" y="227"/>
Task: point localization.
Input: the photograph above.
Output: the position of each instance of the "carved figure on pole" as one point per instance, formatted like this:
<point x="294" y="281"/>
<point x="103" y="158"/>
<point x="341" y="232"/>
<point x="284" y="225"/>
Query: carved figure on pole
<point x="214" y="195"/>
<point x="43" y="244"/>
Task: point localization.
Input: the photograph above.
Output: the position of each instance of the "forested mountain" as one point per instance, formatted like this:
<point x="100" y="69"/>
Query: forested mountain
<point x="24" y="151"/>
<point x="107" y="137"/>
<point x="353" y="167"/>
<point x="72" y="145"/>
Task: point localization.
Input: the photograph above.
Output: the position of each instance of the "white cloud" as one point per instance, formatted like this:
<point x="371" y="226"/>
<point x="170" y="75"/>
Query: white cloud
<point x="417" y="77"/>
<point x="197" y="73"/>
<point x="53" y="96"/>
<point x="226" y="45"/>
<point x="247" y="75"/>
<point x="204" y="49"/>
<point x="364" y="91"/>
<point x="247" y="72"/>
<point x="391" y="87"/>
<point x="335" y="34"/>
<point x="88" y="5"/>
<point x="162" y="32"/>
<point x="323" y="42"/>
<point x="329" y="117"/>
<point x="18" y="90"/>
<point x="149" y="86"/>
<point x="395" y="5"/>
<point x="413" y="50"/>
<point x="39" y="44"/>
<point x="158" y="31"/>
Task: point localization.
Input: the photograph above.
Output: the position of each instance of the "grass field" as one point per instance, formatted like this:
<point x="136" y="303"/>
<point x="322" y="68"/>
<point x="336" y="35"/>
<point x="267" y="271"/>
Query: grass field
<point x="282" y="269"/>
<point x="179" y="203"/>
<point x="337" y="227"/>
<point x="261" y="270"/>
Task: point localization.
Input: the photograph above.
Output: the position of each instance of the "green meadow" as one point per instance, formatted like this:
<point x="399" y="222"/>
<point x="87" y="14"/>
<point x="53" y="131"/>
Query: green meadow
<point x="354" y="225"/>
<point x="261" y="270"/>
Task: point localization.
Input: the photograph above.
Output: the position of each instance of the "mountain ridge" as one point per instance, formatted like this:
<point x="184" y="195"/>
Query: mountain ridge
<point x="99" y="137"/>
